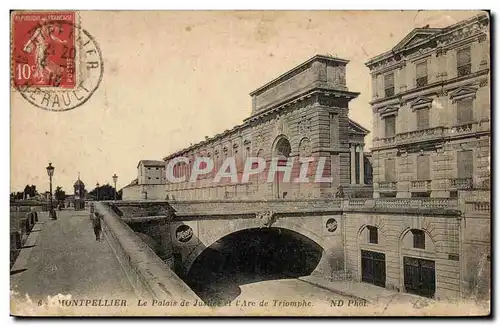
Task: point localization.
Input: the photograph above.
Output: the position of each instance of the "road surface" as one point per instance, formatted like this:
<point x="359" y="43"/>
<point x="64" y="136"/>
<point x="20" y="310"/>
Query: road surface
<point x="64" y="258"/>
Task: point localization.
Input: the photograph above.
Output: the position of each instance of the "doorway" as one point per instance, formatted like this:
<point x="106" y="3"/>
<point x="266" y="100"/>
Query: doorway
<point x="373" y="267"/>
<point x="420" y="276"/>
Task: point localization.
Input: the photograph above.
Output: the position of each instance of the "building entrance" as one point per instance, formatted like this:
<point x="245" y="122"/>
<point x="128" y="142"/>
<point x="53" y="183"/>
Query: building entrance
<point x="373" y="267"/>
<point x="420" y="276"/>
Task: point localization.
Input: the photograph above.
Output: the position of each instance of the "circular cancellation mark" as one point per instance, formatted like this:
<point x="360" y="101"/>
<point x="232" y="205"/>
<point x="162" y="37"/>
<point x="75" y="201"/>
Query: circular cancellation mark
<point x="57" y="65"/>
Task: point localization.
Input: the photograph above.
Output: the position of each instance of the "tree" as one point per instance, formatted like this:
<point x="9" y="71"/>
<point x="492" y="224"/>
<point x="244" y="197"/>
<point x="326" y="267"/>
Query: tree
<point x="60" y="194"/>
<point x="106" y="192"/>
<point x="30" y="191"/>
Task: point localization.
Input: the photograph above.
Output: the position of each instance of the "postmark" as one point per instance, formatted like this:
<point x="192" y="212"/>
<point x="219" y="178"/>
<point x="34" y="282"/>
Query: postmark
<point x="56" y="64"/>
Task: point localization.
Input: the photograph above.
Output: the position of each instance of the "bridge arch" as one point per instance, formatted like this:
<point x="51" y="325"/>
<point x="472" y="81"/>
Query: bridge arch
<point x="283" y="224"/>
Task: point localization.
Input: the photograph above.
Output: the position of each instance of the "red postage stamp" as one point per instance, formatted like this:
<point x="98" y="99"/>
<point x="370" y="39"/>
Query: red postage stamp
<point x="43" y="49"/>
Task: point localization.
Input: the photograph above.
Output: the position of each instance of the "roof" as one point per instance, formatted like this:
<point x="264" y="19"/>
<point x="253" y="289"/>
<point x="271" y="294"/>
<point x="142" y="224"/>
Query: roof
<point x="419" y="36"/>
<point x="151" y="163"/>
<point x="134" y="182"/>
<point x="298" y="68"/>
<point x="357" y="128"/>
<point x="79" y="183"/>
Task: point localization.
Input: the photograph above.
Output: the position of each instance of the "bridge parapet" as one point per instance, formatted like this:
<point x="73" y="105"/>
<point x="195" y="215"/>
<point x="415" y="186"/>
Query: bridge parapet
<point x="148" y="274"/>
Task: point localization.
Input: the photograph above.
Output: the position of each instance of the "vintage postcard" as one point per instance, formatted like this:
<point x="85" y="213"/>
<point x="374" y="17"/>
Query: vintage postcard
<point x="250" y="163"/>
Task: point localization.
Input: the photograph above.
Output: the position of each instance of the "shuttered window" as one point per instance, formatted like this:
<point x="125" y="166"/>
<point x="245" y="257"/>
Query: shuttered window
<point x="418" y="239"/>
<point x="372" y="234"/>
<point x="390" y="126"/>
<point x="464" y="111"/>
<point x="463" y="62"/>
<point x="423" y="118"/>
<point x="389" y="84"/>
<point x="390" y="170"/>
<point x="423" y="168"/>
<point x="465" y="164"/>
<point x="421" y="74"/>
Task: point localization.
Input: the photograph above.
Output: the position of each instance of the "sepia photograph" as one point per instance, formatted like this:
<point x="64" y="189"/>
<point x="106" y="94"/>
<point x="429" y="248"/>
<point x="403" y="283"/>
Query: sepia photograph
<point x="312" y="163"/>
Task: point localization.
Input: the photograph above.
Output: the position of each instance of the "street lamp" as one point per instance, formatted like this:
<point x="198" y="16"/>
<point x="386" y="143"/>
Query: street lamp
<point x="50" y="172"/>
<point x="115" y="177"/>
<point x="97" y="190"/>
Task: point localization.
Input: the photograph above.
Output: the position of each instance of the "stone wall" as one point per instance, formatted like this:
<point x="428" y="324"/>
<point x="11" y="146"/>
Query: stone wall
<point x="206" y="232"/>
<point x="150" y="277"/>
<point x="149" y="192"/>
<point x="442" y="240"/>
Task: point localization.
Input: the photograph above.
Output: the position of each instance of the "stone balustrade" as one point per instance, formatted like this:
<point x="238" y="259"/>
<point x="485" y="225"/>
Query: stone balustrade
<point x="421" y="184"/>
<point x="387" y="185"/>
<point x="478" y="207"/>
<point x="417" y="203"/>
<point x="412" y="137"/>
<point x="461" y="183"/>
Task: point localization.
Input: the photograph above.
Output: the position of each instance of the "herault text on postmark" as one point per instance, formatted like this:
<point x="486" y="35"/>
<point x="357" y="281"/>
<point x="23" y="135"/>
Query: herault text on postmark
<point x="56" y="65"/>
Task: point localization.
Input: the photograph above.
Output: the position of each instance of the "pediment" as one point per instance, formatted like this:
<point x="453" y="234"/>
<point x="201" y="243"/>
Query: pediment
<point x="416" y="37"/>
<point x="355" y="127"/>
<point x="421" y="102"/>
<point x="388" y="110"/>
<point x="462" y="92"/>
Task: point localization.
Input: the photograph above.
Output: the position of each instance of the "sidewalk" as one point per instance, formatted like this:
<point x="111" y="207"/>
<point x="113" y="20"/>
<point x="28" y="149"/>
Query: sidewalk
<point x="62" y="258"/>
<point x="369" y="292"/>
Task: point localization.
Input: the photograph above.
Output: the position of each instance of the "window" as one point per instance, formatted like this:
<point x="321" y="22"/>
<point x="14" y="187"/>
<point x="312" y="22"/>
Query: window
<point x="372" y="234"/>
<point x="390" y="126"/>
<point x="418" y="239"/>
<point x="149" y="178"/>
<point x="390" y="170"/>
<point x="464" y="111"/>
<point x="422" y="119"/>
<point x="465" y="164"/>
<point x="421" y="194"/>
<point x="157" y="168"/>
<point x="389" y="85"/>
<point x="423" y="171"/>
<point x="422" y="74"/>
<point x="463" y="62"/>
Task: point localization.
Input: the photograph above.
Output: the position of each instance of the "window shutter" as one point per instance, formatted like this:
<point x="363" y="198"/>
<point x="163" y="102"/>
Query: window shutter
<point x="464" y="111"/>
<point x="390" y="126"/>
<point x="423" y="118"/>
<point x="390" y="167"/>
<point x="422" y="69"/>
<point x="423" y="169"/>
<point x="389" y="81"/>
<point x="465" y="164"/>
<point x="463" y="57"/>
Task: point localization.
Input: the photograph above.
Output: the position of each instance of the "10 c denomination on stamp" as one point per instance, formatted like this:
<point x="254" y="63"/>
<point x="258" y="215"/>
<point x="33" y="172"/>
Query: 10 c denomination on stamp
<point x="56" y="65"/>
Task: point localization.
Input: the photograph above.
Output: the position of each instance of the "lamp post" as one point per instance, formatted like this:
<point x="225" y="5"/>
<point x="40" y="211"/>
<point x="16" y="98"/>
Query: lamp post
<point x="115" y="177"/>
<point x="50" y="172"/>
<point x="97" y="190"/>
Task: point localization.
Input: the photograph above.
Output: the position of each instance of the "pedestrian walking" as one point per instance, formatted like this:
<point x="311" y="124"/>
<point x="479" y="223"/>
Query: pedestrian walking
<point x="96" y="223"/>
<point x="92" y="210"/>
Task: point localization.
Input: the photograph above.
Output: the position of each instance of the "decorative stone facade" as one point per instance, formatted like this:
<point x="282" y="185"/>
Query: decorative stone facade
<point x="431" y="127"/>
<point x="305" y="110"/>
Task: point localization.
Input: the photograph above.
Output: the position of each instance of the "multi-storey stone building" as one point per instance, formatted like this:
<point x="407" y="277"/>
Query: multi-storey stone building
<point x="431" y="128"/>
<point x="302" y="113"/>
<point x="150" y="182"/>
<point x="427" y="228"/>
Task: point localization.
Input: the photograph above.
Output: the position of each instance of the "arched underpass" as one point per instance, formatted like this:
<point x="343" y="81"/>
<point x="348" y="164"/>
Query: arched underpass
<point x="249" y="256"/>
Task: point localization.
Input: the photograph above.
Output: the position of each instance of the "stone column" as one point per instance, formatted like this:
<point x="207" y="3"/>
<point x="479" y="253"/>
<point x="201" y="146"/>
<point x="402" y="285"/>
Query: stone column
<point x="361" y="165"/>
<point x="353" y="164"/>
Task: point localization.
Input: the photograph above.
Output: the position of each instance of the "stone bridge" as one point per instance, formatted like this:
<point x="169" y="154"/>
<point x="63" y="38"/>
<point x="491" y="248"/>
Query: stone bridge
<point x="180" y="232"/>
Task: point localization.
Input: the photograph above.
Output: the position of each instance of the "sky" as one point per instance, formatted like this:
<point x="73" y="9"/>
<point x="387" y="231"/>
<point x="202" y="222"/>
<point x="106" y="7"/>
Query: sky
<point x="173" y="77"/>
